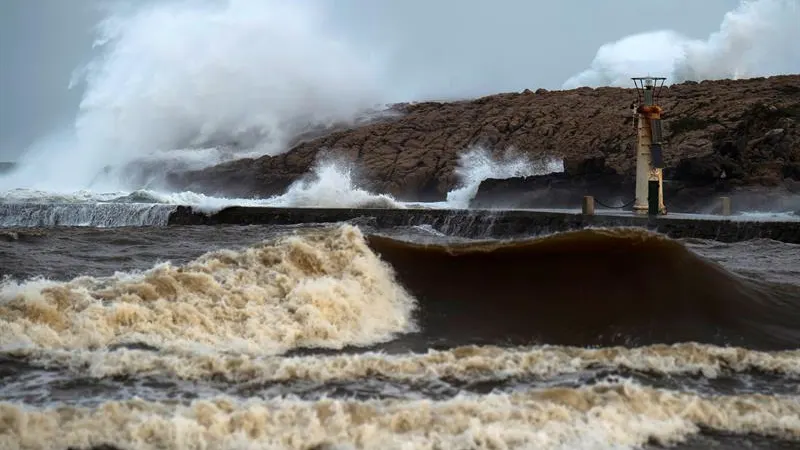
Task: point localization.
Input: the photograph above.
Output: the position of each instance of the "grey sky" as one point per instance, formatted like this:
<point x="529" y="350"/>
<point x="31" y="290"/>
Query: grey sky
<point x="439" y="49"/>
<point x="41" y="43"/>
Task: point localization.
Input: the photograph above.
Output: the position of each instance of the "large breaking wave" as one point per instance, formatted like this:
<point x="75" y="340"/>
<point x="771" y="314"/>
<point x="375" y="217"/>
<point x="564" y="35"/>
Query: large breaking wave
<point x="230" y="316"/>
<point x="324" y="290"/>
<point x="334" y="287"/>
<point x="212" y="336"/>
<point x="619" y="286"/>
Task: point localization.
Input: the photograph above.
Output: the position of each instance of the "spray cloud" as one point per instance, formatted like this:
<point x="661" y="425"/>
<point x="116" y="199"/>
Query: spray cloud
<point x="177" y="74"/>
<point x="759" y="38"/>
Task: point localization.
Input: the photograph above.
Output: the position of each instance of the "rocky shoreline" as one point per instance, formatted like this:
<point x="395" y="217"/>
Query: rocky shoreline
<point x="721" y="136"/>
<point x="612" y="190"/>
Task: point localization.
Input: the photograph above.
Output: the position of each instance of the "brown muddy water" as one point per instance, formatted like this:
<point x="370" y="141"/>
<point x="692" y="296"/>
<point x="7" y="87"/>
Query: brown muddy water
<point x="344" y="336"/>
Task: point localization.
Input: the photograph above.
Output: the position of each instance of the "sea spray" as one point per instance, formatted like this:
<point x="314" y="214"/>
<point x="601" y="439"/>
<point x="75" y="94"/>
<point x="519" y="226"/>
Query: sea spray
<point x="84" y="215"/>
<point x="478" y="164"/>
<point x="758" y="38"/>
<point x="185" y="85"/>
<point x="332" y="184"/>
<point x="171" y="75"/>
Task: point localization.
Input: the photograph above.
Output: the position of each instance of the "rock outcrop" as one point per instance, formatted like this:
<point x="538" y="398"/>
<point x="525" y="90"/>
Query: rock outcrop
<point x="744" y="132"/>
<point x="611" y="190"/>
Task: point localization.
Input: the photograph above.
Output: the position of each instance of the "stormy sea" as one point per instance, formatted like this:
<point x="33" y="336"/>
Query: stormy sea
<point x="346" y="336"/>
<point x="119" y="331"/>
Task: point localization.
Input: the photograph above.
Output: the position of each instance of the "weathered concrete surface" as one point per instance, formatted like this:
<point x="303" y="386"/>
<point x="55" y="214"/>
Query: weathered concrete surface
<point x="494" y="223"/>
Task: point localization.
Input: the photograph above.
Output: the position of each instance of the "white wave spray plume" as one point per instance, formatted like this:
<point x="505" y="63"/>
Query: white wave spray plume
<point x="478" y="164"/>
<point x="333" y="184"/>
<point x="180" y="74"/>
<point x="758" y="38"/>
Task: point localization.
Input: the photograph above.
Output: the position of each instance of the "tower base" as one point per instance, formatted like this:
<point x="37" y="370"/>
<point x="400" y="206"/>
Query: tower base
<point x="653" y="204"/>
<point x="652" y="198"/>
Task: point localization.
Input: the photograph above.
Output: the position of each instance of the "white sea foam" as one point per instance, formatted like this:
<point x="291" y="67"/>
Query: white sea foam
<point x="469" y="364"/>
<point x="330" y="184"/>
<point x="320" y="289"/>
<point x="608" y="415"/>
<point x="478" y="164"/>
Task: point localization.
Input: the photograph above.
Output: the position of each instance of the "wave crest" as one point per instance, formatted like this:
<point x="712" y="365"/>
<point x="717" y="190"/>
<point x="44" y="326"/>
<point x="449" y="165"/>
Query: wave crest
<point x="592" y="286"/>
<point x="321" y="289"/>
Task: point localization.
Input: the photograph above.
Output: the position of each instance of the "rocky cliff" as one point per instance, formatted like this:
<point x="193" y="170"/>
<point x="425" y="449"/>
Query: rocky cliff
<point x="746" y="132"/>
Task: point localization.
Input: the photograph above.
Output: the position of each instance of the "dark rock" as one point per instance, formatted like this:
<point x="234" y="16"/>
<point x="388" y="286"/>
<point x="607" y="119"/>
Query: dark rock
<point x="581" y="167"/>
<point x="775" y="135"/>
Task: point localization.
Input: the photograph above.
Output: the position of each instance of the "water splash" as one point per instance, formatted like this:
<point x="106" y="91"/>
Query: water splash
<point x="332" y="185"/>
<point x="245" y="75"/>
<point x="758" y="38"/>
<point x="478" y="164"/>
<point x="84" y="215"/>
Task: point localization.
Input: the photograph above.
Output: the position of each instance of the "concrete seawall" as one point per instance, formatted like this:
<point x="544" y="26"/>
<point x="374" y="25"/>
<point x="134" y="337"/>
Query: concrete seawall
<point x="503" y="223"/>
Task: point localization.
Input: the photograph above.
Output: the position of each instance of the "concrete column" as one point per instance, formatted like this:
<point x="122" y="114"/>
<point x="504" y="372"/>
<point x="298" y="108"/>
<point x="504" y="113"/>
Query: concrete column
<point x="642" y="166"/>
<point x="726" y="206"/>
<point x="644" y="170"/>
<point x="588" y="205"/>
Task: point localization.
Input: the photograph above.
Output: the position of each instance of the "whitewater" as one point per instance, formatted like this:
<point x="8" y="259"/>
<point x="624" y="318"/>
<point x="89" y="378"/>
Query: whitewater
<point x="120" y="334"/>
<point x="331" y="336"/>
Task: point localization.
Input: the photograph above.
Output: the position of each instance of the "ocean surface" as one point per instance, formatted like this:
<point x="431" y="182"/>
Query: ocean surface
<point x="119" y="332"/>
<point x="345" y="336"/>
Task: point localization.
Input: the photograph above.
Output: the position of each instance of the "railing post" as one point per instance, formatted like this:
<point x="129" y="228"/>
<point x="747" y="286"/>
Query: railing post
<point x="588" y="205"/>
<point x="726" y="206"/>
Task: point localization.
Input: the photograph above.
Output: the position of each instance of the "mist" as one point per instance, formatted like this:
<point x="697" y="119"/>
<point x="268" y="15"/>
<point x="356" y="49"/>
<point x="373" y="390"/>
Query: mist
<point x="758" y="38"/>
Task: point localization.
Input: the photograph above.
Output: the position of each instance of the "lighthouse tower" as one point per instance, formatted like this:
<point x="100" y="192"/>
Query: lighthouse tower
<point x="649" y="154"/>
